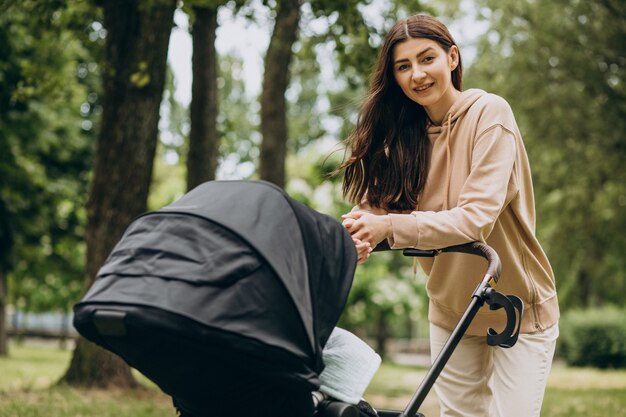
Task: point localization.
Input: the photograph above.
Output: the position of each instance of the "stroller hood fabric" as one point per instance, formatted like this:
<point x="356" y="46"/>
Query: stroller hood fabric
<point x="237" y="258"/>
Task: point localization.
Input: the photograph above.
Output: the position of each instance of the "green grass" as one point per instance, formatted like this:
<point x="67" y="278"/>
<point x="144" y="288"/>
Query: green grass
<point x="28" y="376"/>
<point x="588" y="392"/>
<point x="32" y="366"/>
<point x="571" y="392"/>
<point x="62" y="401"/>
<point x="28" y="389"/>
<point x="393" y="385"/>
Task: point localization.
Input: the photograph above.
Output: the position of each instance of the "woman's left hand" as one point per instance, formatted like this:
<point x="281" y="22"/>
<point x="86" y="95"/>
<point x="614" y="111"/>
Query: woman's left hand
<point x="368" y="227"/>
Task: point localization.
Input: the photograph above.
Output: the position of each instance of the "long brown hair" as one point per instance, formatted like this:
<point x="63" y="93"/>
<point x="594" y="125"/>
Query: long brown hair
<point x="388" y="160"/>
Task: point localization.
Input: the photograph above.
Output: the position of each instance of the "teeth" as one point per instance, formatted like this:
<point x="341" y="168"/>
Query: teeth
<point x="422" y="88"/>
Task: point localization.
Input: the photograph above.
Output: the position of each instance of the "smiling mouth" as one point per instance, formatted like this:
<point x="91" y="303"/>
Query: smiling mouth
<point x="423" y="88"/>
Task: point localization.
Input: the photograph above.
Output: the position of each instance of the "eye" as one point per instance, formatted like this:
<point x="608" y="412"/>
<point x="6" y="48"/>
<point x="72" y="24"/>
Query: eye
<point x="428" y="58"/>
<point x="403" y="67"/>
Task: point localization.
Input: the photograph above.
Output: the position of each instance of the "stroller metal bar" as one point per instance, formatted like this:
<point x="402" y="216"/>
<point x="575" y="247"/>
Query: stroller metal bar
<point x="443" y="357"/>
<point x="478" y="299"/>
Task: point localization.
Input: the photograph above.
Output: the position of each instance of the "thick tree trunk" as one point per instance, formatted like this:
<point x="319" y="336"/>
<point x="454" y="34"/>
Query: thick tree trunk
<point x="275" y="82"/>
<point x="134" y="76"/>
<point x="4" y="345"/>
<point x="203" y="138"/>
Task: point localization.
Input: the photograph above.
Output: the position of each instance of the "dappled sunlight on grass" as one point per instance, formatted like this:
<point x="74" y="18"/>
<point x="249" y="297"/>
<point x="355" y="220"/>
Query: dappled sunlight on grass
<point x="29" y="375"/>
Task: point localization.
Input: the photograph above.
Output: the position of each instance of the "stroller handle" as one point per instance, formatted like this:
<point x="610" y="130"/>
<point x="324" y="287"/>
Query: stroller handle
<point x="494" y="266"/>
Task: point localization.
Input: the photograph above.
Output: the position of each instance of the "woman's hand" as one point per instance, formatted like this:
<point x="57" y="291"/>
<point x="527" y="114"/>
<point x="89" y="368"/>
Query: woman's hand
<point x="367" y="227"/>
<point x="363" y="250"/>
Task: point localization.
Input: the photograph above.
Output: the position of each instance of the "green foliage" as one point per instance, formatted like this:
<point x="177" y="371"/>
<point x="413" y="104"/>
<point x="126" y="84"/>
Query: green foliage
<point x="168" y="175"/>
<point x="47" y="107"/>
<point x="141" y="77"/>
<point x="356" y="30"/>
<point x="237" y="122"/>
<point x="595" y="337"/>
<point x="384" y="288"/>
<point x="561" y="63"/>
<point x="305" y="115"/>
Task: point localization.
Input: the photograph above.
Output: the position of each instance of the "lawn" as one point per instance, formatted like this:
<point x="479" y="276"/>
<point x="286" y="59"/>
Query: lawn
<point x="571" y="392"/>
<point x="28" y="376"/>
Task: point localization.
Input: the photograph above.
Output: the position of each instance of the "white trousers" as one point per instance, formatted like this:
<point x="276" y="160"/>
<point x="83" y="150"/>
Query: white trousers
<point x="484" y="381"/>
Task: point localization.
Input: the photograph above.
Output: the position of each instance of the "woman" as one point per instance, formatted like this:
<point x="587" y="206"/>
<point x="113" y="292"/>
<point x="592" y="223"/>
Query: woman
<point x="432" y="166"/>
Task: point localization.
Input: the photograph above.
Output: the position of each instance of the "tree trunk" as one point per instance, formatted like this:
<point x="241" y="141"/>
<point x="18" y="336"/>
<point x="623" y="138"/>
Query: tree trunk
<point x="203" y="138"/>
<point x="584" y="286"/>
<point x="6" y="245"/>
<point x="275" y="82"/>
<point x="4" y="345"/>
<point x="382" y="334"/>
<point x="133" y="80"/>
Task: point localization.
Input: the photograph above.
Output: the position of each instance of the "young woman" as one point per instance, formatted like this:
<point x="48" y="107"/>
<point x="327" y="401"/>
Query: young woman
<point x="432" y="166"/>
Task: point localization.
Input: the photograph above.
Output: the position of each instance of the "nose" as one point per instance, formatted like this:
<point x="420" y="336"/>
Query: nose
<point x="418" y="73"/>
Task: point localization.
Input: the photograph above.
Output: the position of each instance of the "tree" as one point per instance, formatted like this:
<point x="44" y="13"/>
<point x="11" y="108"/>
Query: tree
<point x="275" y="82"/>
<point x="47" y="95"/>
<point x="237" y="122"/>
<point x="561" y="66"/>
<point x="5" y="242"/>
<point x="203" y="150"/>
<point x="133" y="80"/>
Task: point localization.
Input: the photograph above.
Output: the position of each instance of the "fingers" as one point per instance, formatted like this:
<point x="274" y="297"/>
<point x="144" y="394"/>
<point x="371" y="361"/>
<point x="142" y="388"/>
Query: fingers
<point x="352" y="225"/>
<point x="364" y="249"/>
<point x="353" y="215"/>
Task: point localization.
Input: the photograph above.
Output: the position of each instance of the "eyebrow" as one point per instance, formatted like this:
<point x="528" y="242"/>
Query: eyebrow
<point x="419" y="54"/>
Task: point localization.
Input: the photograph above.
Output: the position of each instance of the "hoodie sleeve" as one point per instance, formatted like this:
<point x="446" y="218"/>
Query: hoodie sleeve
<point x="481" y="199"/>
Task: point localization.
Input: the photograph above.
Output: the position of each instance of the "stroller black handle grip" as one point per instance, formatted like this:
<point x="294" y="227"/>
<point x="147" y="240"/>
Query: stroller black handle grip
<point x="494" y="266"/>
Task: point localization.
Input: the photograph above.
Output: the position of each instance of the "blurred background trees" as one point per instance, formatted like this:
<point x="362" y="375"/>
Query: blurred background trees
<point x="65" y="97"/>
<point x="561" y="65"/>
<point x="49" y="113"/>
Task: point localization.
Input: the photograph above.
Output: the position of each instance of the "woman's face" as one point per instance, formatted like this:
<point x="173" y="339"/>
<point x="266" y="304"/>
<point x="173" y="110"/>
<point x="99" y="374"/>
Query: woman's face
<point x="423" y="70"/>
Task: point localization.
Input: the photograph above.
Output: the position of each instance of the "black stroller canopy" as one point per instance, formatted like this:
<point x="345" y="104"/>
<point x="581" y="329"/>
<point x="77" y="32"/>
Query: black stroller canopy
<point x="240" y="257"/>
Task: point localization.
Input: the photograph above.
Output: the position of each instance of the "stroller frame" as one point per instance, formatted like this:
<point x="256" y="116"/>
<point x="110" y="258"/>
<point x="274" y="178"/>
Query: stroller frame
<point x="484" y="293"/>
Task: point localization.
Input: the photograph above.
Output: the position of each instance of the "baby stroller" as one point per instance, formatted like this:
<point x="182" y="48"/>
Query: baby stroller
<point x="226" y="297"/>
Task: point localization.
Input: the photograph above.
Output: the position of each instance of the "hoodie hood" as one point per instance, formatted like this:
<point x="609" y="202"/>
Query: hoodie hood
<point x="458" y="109"/>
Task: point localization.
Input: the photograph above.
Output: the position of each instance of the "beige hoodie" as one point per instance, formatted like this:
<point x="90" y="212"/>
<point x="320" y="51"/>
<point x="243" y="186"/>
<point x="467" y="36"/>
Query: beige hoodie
<point x="479" y="188"/>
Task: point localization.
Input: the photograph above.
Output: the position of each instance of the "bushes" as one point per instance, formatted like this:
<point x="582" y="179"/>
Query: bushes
<point x="594" y="337"/>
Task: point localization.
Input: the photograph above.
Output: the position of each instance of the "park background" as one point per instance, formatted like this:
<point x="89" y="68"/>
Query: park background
<point x="100" y="121"/>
